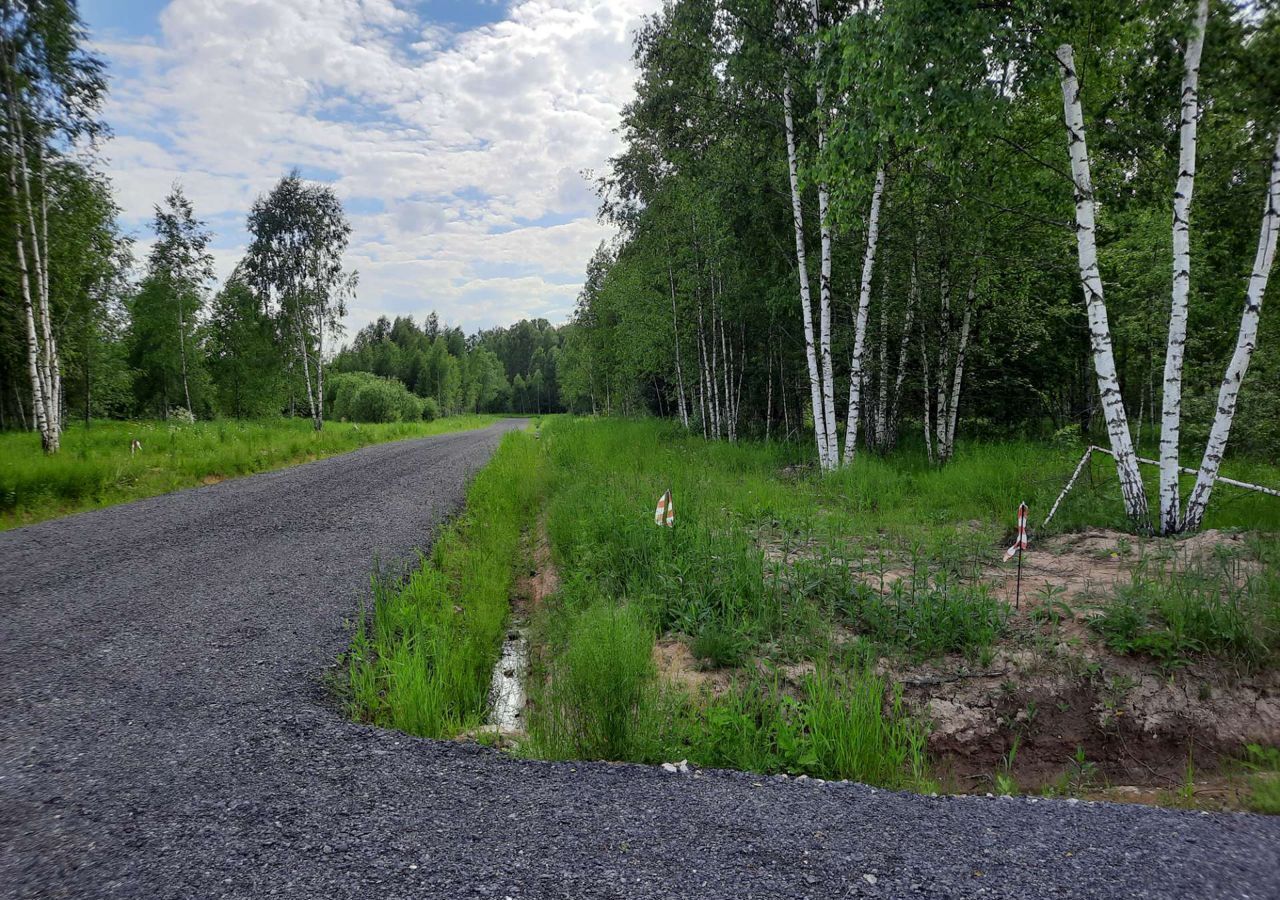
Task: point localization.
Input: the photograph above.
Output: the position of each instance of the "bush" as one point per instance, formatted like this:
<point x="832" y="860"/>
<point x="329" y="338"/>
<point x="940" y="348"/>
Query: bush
<point x="430" y="410"/>
<point x="364" y="397"/>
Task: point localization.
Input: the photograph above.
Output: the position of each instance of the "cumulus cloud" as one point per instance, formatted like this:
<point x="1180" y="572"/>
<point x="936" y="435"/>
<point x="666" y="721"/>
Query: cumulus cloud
<point x="458" y="153"/>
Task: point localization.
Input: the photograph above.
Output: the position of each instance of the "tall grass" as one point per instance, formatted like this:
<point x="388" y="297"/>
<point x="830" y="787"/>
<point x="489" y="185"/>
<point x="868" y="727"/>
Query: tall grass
<point x="95" y="468"/>
<point x="421" y="659"/>
<point x="600" y="689"/>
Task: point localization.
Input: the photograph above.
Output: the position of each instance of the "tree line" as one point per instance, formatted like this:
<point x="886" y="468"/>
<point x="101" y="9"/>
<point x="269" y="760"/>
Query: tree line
<point x="87" y="330"/>
<point x="870" y="223"/>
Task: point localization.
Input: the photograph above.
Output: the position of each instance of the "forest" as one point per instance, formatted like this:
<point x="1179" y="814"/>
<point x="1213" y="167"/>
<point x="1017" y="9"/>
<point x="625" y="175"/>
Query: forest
<point x="89" y="329"/>
<point x="873" y="225"/>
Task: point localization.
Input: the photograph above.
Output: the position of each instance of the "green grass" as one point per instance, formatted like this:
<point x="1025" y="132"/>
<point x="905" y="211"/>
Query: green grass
<point x="95" y="468"/>
<point x="788" y="582"/>
<point x="1222" y="607"/>
<point x="421" y="659"/>
<point x="1263" y="779"/>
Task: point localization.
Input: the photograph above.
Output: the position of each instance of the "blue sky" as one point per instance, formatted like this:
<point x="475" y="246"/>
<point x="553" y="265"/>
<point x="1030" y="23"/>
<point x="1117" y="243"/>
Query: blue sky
<point x="454" y="132"/>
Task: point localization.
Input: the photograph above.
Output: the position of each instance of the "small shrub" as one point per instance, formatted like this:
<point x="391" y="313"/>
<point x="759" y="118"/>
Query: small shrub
<point x="720" y="647"/>
<point x="430" y="409"/>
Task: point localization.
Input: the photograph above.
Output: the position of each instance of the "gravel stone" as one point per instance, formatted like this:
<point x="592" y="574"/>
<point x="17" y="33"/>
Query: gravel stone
<point x="167" y="730"/>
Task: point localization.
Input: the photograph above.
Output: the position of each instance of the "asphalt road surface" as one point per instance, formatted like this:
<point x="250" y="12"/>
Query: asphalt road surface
<point x="166" y="731"/>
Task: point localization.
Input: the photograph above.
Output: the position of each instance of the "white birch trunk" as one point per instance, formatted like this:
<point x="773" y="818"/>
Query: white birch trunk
<point x="913" y="297"/>
<point x="42" y="360"/>
<point x="1246" y="341"/>
<point x="675" y="333"/>
<point x="1171" y="413"/>
<point x="860" y="324"/>
<point x="1131" y="487"/>
<point x="928" y="394"/>
<point x="953" y="404"/>
<point x="321" y="316"/>
<point x="825" y="460"/>
<point x="824" y="277"/>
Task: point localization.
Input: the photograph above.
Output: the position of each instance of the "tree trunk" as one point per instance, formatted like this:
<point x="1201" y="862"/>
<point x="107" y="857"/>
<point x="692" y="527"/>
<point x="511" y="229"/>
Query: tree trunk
<point x="860" y="325"/>
<point x="1171" y="413"/>
<point x="928" y="394"/>
<point x="1131" y="487"/>
<point x="824" y="278"/>
<point x="913" y="298"/>
<point x="39" y="386"/>
<point x="182" y="353"/>
<point x="825" y="458"/>
<point x="675" y="333"/>
<point x="1246" y="341"/>
<point x="953" y="405"/>
<point x="944" y="361"/>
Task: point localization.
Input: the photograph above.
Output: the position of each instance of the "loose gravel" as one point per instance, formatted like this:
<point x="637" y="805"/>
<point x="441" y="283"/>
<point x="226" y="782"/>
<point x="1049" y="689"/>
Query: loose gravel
<point x="166" y="730"/>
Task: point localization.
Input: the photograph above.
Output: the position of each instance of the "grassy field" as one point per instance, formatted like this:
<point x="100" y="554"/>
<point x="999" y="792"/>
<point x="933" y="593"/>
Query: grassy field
<point x="780" y="625"/>
<point x="95" y="468"/>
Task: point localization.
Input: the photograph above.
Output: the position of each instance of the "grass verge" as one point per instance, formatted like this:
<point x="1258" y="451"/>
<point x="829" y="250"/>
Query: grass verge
<point x="778" y="625"/>
<point x="421" y="658"/>
<point x="95" y="467"/>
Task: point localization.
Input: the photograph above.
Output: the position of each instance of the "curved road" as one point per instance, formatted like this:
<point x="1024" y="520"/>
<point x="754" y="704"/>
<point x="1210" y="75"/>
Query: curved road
<point x="166" y="731"/>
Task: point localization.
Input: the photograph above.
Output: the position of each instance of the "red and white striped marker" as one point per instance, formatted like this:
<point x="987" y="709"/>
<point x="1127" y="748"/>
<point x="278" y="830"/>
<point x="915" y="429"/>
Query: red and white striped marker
<point x="1021" y="543"/>
<point x="665" y="514"/>
<point x="1016" y="550"/>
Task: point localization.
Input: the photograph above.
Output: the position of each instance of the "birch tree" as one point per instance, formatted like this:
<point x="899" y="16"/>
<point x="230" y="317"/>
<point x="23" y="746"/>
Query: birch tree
<point x="824" y="278"/>
<point x="1131" y="487"/>
<point x="1246" y="342"/>
<point x="168" y="307"/>
<point x="826" y="455"/>
<point x="52" y="91"/>
<point x="1171" y="414"/>
<point x="299" y="234"/>
<point x="860" y="322"/>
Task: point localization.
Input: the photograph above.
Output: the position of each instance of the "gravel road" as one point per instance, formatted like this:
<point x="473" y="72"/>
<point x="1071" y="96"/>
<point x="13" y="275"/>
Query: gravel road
<point x="166" y="731"/>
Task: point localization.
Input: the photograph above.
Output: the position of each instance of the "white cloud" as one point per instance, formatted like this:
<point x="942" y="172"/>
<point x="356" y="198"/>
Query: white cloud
<point x="453" y="139"/>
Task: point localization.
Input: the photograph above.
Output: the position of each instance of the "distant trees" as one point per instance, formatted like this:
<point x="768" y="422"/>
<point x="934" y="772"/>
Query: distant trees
<point x="460" y="374"/>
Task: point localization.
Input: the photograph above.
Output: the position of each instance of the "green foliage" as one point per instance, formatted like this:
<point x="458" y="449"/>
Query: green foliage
<point x="928" y="615"/>
<point x="720" y="646"/>
<point x="430" y="410"/>
<point x="362" y="397"/>
<point x="420" y="660"/>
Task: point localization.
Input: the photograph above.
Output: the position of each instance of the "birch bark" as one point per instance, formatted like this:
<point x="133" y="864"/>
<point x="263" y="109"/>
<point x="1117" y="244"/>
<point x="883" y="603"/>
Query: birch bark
<point x="825" y="460"/>
<point x="953" y="404"/>
<point x="1131" y="487"/>
<point x="824" y="278"/>
<point x="860" y="325"/>
<point x="675" y="333"/>
<point x="1246" y="341"/>
<point x="913" y="297"/>
<point x="1171" y="412"/>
